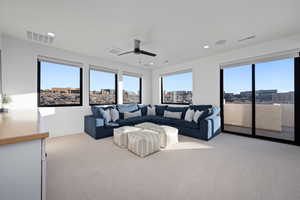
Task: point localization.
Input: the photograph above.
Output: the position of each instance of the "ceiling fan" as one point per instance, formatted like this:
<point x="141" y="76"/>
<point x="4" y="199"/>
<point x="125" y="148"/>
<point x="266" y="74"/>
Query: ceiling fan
<point x="137" y="50"/>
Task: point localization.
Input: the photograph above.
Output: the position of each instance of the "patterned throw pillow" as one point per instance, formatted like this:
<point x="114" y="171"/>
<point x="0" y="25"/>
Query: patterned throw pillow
<point x="106" y="115"/>
<point x="189" y="115"/>
<point x="114" y="114"/>
<point x="150" y="111"/>
<point x="174" y="115"/>
<point x="197" y="115"/>
<point x="128" y="115"/>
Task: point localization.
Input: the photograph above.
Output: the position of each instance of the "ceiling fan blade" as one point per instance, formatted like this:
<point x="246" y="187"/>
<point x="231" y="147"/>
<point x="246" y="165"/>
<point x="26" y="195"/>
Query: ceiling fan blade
<point x="147" y="53"/>
<point x="128" y="52"/>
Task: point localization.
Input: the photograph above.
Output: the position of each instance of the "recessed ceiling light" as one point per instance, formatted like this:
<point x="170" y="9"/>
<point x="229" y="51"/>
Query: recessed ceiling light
<point x="51" y="34"/>
<point x="151" y="63"/>
<point x="206" y="46"/>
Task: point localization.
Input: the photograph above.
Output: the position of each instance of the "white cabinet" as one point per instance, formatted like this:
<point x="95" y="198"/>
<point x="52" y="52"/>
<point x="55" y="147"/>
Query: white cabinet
<point x="23" y="170"/>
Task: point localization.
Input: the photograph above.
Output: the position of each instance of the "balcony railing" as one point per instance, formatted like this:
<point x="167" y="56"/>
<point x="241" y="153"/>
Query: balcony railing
<point x="270" y="117"/>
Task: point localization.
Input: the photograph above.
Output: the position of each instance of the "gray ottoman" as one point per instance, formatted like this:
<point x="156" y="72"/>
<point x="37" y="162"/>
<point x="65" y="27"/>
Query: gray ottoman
<point x="120" y="137"/>
<point x="143" y="142"/>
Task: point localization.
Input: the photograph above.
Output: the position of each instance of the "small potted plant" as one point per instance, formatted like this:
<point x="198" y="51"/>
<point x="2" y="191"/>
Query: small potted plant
<point x="5" y="100"/>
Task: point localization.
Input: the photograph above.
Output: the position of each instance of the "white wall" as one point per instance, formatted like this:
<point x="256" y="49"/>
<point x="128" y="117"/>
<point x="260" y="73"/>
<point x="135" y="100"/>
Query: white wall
<point x="20" y="82"/>
<point x="206" y="70"/>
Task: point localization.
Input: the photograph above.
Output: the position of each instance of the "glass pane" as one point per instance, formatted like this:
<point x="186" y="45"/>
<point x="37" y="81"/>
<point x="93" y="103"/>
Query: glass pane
<point x="274" y="97"/>
<point x="131" y="89"/>
<point x="238" y="99"/>
<point x="177" y="88"/>
<point x="102" y="87"/>
<point x="60" y="84"/>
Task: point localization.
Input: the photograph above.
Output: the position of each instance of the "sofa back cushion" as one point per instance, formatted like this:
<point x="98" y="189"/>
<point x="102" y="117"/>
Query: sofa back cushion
<point x="178" y="109"/>
<point x="174" y="115"/>
<point x="200" y="107"/>
<point x="160" y="110"/>
<point x="127" y="107"/>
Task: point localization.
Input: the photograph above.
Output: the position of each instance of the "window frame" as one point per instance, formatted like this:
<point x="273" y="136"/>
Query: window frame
<point x="116" y="88"/>
<point x="39" y="86"/>
<point x="296" y="140"/>
<point x="140" y="91"/>
<point x="162" y="92"/>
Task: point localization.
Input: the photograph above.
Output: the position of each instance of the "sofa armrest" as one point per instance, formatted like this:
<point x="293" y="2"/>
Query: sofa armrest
<point x="90" y="125"/>
<point x="210" y="125"/>
<point x="214" y="123"/>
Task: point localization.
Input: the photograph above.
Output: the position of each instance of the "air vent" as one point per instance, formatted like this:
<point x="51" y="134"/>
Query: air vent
<point x="247" y="38"/>
<point x="114" y="50"/>
<point x="220" y="42"/>
<point x="41" y="38"/>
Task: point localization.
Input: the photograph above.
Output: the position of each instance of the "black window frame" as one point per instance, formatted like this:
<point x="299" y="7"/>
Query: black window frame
<point x="39" y="85"/>
<point x="140" y="91"/>
<point x="162" y="94"/>
<point x="116" y="88"/>
<point x="296" y="140"/>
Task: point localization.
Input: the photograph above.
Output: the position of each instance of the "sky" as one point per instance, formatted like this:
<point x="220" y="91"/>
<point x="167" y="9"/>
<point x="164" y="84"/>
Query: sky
<point x="58" y="75"/>
<point x="270" y="75"/>
<point x="175" y="82"/>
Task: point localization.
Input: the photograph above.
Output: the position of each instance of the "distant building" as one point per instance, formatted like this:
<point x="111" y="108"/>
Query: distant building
<point x="284" y="98"/>
<point x="65" y="90"/>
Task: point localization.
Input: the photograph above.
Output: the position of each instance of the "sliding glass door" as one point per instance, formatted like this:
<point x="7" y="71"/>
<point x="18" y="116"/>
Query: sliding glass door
<point x="238" y="99"/>
<point x="274" y="97"/>
<point x="259" y="100"/>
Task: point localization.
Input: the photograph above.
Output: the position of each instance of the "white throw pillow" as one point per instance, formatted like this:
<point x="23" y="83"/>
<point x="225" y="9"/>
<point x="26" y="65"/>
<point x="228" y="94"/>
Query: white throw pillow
<point x="128" y="115"/>
<point x="106" y="115"/>
<point x="114" y="114"/>
<point x="189" y="115"/>
<point x="197" y="115"/>
<point x="150" y="111"/>
<point x="175" y="115"/>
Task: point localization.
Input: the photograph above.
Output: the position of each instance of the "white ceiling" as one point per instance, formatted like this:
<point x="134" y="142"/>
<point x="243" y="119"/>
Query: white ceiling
<point x="174" y="29"/>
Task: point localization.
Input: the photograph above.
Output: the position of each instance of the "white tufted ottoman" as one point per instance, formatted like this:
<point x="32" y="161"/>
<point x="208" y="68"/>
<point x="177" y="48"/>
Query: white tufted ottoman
<point x="168" y="134"/>
<point x="143" y="142"/>
<point x="120" y="135"/>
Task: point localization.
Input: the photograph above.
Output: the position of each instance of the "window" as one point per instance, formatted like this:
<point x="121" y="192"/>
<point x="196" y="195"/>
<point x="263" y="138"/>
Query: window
<point x="103" y="87"/>
<point x="59" y="84"/>
<point x="177" y="88"/>
<point x="131" y="89"/>
<point x="259" y="99"/>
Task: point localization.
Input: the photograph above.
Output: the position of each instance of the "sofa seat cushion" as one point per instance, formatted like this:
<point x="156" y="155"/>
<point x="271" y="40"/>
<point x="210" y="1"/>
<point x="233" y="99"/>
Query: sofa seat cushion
<point x="183" y="123"/>
<point x="132" y="121"/>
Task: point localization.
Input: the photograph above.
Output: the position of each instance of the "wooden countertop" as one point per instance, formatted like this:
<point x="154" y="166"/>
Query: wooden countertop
<point x="19" y="126"/>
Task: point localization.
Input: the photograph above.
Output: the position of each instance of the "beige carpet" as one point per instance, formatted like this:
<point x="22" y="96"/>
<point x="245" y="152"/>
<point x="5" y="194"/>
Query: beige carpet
<point x="227" y="168"/>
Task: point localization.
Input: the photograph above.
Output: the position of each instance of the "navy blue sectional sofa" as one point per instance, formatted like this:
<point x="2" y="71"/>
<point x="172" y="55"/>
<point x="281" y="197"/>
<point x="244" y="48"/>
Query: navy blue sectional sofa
<point x="208" y="126"/>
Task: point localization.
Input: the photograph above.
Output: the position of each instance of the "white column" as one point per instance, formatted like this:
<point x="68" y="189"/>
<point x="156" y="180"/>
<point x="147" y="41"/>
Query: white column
<point x="120" y="87"/>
